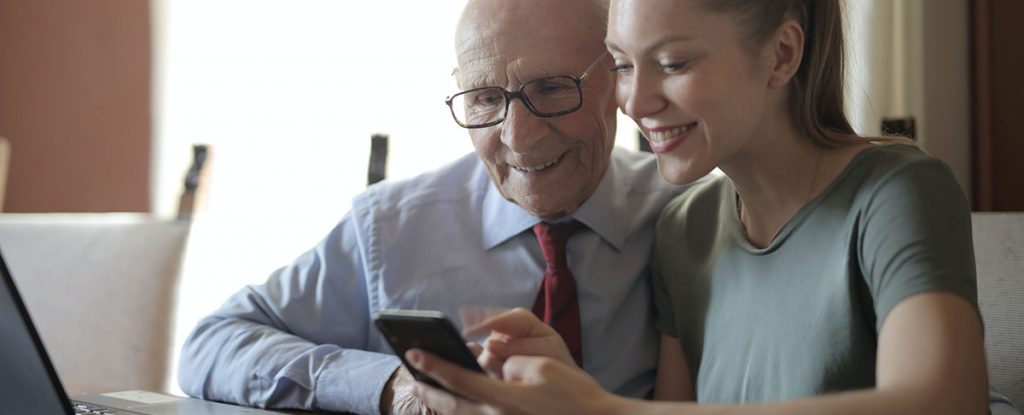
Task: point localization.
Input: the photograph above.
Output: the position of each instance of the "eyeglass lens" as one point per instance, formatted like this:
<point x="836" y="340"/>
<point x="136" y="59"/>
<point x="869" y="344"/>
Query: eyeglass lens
<point x="545" y="97"/>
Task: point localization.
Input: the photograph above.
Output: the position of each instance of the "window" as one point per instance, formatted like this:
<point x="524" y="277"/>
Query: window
<point x="287" y="93"/>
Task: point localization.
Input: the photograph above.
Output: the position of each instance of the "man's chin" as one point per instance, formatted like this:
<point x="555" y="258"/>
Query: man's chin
<point x="547" y="206"/>
<point x="543" y="196"/>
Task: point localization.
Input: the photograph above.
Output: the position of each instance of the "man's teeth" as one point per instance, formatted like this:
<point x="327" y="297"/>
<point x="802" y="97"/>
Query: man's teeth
<point x="658" y="136"/>
<point x="536" y="168"/>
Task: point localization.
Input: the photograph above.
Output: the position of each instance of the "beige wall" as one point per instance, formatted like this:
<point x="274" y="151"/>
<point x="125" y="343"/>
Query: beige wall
<point x="945" y="94"/>
<point x="75" y="104"/>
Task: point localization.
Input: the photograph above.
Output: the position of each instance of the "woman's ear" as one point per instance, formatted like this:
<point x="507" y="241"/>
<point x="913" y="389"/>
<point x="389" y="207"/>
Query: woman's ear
<point x="787" y="52"/>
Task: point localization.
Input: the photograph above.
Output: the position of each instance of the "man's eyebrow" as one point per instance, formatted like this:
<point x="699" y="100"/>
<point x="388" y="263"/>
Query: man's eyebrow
<point x="476" y="80"/>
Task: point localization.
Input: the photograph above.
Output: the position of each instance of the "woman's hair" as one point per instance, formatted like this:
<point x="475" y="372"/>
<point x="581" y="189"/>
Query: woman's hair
<point x="816" y="94"/>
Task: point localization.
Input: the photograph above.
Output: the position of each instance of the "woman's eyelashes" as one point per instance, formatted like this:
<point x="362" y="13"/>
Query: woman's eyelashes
<point x="674" y="67"/>
<point x="622" y="68"/>
<point x="665" y="67"/>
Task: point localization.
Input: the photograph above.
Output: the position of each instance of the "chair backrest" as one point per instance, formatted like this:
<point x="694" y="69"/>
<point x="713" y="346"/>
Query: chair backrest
<point x="999" y="251"/>
<point x="100" y="289"/>
<point x="5" y="161"/>
<point x="196" y="178"/>
<point x="378" y="167"/>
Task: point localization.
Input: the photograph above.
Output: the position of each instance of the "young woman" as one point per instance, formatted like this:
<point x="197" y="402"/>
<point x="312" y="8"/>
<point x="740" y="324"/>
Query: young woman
<point x="824" y="274"/>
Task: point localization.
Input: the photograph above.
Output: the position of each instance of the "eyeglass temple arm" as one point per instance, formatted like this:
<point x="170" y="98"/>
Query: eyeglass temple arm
<point x="593" y="65"/>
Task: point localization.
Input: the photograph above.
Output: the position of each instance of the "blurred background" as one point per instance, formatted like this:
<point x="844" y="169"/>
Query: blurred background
<point x="101" y="101"/>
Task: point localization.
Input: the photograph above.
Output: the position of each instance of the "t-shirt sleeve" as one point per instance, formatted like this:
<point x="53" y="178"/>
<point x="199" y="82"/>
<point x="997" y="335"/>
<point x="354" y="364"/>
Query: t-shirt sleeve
<point x="664" y="318"/>
<point x="661" y="265"/>
<point x="915" y="236"/>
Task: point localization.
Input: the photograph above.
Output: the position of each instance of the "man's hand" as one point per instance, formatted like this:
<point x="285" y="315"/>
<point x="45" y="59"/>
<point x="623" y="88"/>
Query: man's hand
<point x="397" y="396"/>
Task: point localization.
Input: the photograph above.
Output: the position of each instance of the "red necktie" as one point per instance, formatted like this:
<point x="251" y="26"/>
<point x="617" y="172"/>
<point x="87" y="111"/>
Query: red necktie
<point x="557" y="303"/>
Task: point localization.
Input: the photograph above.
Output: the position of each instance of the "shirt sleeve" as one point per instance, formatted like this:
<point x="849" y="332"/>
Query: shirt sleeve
<point x="296" y="341"/>
<point x="915" y="236"/>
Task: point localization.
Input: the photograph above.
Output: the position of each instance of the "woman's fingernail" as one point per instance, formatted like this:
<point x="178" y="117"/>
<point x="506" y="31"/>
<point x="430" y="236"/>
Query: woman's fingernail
<point x="414" y="357"/>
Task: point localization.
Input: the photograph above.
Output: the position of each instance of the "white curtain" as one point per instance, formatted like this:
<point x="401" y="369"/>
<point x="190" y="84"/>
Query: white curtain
<point x="910" y="58"/>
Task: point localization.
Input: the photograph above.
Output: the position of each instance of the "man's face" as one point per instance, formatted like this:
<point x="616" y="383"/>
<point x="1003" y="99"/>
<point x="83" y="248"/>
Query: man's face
<point x="548" y="166"/>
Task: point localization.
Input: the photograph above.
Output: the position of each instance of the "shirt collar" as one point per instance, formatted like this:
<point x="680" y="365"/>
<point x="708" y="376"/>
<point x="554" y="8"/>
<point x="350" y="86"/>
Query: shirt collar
<point x="602" y="213"/>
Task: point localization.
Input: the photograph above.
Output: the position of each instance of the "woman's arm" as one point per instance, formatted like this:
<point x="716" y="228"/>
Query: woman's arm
<point x="673" y="382"/>
<point x="930" y="361"/>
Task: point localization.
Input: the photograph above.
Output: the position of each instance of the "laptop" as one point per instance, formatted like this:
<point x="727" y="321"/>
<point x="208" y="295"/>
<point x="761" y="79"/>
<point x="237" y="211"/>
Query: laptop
<point x="29" y="384"/>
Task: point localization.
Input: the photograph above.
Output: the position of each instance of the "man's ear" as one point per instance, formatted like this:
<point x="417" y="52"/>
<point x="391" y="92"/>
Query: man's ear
<point x="455" y="77"/>
<point x="787" y="53"/>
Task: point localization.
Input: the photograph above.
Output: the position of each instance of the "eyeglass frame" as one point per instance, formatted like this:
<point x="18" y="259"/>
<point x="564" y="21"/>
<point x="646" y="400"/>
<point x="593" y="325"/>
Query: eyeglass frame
<point x="509" y="96"/>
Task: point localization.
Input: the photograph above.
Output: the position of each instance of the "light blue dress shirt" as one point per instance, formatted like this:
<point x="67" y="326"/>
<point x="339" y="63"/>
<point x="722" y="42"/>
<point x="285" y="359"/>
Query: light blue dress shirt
<point x="440" y="241"/>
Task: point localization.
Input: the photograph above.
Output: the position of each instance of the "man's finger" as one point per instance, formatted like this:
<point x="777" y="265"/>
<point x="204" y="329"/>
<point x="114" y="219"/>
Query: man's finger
<point x="497" y="346"/>
<point x="476" y="386"/>
<point x="475" y="348"/>
<point x="443" y="402"/>
<point x="491" y="363"/>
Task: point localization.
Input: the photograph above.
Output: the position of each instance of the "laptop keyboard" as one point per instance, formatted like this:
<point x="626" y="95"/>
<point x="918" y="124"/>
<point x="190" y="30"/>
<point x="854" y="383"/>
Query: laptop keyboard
<point x="93" y="409"/>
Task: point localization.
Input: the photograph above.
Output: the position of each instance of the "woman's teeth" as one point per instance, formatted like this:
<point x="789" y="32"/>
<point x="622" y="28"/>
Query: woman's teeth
<point x="658" y="136"/>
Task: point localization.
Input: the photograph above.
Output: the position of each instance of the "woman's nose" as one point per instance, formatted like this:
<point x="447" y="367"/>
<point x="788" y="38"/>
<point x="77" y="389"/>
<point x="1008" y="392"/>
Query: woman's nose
<point x="638" y="96"/>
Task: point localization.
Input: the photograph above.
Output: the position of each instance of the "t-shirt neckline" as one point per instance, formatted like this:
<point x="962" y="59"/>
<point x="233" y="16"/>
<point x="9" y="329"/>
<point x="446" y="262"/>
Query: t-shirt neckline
<point x="801" y="215"/>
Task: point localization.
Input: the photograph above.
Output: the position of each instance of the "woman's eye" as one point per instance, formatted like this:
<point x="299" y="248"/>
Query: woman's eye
<point x="674" y="66"/>
<point x="622" y="68"/>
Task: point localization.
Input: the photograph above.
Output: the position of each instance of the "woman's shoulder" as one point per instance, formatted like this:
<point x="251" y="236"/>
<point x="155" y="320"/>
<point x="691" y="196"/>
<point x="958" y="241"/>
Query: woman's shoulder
<point x="698" y="207"/>
<point x="900" y="170"/>
<point x="882" y="160"/>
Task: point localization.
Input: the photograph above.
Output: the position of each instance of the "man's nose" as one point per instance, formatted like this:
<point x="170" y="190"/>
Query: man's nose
<point x="521" y="128"/>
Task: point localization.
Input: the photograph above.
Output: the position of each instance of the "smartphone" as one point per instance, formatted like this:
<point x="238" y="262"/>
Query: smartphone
<point x="425" y="330"/>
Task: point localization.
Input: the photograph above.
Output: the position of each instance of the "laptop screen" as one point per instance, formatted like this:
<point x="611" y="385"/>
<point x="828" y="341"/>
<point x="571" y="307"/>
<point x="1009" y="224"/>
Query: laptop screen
<point x="28" y="383"/>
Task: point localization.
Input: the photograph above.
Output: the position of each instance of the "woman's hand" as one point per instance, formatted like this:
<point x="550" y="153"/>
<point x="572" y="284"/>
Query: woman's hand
<point x="532" y="385"/>
<point x="518" y="332"/>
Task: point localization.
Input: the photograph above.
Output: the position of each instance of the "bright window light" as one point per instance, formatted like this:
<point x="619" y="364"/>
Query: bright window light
<point x="288" y="93"/>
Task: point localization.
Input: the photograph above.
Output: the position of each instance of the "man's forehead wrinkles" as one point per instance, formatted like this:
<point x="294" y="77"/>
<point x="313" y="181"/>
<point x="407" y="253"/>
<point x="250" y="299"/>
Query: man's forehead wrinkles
<point x="479" y="70"/>
<point x="480" y="66"/>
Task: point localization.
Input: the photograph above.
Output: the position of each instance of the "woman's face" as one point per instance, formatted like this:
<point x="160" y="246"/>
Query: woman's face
<point x="685" y="75"/>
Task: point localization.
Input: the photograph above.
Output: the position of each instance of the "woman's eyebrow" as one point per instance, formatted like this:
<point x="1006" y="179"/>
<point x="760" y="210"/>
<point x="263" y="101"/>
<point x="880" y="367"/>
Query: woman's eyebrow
<point x="666" y="40"/>
<point x="656" y="45"/>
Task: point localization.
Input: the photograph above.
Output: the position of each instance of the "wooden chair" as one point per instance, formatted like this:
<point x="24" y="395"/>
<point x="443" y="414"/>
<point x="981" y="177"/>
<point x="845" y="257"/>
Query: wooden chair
<point x="101" y="291"/>
<point x="378" y="167"/>
<point x="196" y="177"/>
<point x="999" y="252"/>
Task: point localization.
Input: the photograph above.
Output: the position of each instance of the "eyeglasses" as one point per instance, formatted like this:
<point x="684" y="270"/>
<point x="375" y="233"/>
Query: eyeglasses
<point x="553" y="96"/>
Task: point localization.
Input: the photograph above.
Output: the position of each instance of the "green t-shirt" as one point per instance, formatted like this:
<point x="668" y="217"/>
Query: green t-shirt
<point x="801" y="317"/>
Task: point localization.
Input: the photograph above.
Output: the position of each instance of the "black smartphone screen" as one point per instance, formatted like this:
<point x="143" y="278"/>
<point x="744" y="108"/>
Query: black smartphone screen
<point x="425" y="330"/>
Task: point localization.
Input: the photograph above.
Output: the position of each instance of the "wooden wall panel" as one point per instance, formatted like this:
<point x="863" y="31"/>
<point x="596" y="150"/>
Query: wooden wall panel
<point x="998" y="105"/>
<point x="75" y="104"/>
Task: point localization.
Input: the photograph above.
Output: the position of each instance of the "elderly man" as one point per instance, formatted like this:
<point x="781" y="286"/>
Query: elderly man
<point x="487" y="230"/>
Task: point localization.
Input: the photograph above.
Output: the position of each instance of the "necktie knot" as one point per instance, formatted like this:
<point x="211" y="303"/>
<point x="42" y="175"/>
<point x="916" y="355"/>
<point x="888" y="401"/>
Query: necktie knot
<point x="552" y="238"/>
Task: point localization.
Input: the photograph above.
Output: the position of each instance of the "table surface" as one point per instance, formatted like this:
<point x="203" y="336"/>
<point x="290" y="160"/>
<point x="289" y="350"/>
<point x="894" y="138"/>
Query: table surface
<point x="79" y="390"/>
